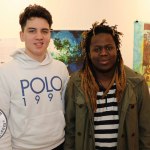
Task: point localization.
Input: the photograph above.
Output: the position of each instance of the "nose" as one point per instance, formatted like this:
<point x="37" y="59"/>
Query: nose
<point x="103" y="51"/>
<point x="39" y="35"/>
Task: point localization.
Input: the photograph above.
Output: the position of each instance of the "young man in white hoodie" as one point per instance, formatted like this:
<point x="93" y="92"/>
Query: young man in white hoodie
<point x="31" y="89"/>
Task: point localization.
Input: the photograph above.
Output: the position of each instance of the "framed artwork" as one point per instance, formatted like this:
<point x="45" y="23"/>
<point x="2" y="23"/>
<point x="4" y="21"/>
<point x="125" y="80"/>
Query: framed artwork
<point x="141" y="53"/>
<point x="65" y="46"/>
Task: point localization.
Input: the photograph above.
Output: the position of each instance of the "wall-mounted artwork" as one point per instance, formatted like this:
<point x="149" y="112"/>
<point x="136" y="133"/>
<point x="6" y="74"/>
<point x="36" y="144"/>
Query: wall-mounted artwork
<point x="141" y="60"/>
<point x="65" y="46"/>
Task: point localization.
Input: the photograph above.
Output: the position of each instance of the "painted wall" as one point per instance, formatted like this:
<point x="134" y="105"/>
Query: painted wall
<point x="80" y="14"/>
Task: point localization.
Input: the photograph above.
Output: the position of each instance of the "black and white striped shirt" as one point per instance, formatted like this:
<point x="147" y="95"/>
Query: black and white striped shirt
<point x="106" y="121"/>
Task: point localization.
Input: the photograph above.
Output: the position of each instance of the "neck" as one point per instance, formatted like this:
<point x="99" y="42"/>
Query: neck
<point x="37" y="58"/>
<point x="105" y="78"/>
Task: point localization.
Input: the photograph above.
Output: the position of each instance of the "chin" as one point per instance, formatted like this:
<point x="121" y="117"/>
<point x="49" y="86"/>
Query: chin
<point x="105" y="69"/>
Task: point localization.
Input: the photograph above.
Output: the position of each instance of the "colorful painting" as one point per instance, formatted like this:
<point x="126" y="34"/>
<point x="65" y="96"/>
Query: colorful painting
<point x="141" y="60"/>
<point x="65" y="46"/>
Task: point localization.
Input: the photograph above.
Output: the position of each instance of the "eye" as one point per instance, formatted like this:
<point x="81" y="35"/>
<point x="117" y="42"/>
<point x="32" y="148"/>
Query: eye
<point x="45" y="31"/>
<point x="109" y="48"/>
<point x="31" y="30"/>
<point x="97" y="49"/>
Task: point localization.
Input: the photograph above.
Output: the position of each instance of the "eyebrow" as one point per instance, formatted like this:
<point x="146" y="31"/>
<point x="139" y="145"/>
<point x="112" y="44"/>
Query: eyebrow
<point x="97" y="45"/>
<point x="32" y="28"/>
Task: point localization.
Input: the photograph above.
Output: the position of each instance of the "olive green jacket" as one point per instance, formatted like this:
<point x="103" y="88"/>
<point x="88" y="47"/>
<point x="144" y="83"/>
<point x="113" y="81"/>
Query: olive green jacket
<point x="134" y="114"/>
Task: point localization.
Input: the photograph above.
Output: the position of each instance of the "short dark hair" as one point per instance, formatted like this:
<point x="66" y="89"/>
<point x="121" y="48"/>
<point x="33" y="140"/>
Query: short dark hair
<point x="34" y="11"/>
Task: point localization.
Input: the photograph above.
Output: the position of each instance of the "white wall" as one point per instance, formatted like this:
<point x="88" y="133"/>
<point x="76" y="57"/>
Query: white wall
<point x="80" y="14"/>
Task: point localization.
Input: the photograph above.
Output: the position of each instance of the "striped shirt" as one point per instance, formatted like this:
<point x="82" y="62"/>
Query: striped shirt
<point x="106" y="121"/>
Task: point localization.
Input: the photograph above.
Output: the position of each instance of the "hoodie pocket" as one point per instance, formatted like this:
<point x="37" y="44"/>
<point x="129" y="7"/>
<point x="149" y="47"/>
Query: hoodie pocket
<point x="45" y="129"/>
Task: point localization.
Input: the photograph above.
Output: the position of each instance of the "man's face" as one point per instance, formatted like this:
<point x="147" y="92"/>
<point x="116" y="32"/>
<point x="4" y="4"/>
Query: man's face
<point x="103" y="52"/>
<point x="36" y="36"/>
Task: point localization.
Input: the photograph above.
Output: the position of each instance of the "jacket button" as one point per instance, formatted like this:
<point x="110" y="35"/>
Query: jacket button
<point x="81" y="105"/>
<point x="90" y="136"/>
<point x="122" y="135"/>
<point x="132" y="106"/>
<point x="79" y="133"/>
<point x="133" y="134"/>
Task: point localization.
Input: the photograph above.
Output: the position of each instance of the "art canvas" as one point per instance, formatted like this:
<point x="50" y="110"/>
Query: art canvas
<point x="65" y="46"/>
<point x="141" y="60"/>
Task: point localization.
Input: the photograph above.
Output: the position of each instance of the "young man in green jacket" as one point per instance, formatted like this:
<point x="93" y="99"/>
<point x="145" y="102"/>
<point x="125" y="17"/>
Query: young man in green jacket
<point x="107" y="104"/>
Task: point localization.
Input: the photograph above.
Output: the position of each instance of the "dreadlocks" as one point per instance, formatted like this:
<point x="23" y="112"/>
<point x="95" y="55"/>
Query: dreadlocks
<point x="88" y="79"/>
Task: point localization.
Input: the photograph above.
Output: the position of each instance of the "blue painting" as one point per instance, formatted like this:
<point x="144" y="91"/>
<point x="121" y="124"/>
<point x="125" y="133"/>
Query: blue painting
<point x="65" y="46"/>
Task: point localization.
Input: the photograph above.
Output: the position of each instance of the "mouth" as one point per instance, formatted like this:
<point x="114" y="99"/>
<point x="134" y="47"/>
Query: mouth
<point x="106" y="61"/>
<point x="39" y="44"/>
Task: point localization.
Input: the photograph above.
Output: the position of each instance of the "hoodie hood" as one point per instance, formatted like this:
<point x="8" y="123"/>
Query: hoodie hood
<point x="20" y="56"/>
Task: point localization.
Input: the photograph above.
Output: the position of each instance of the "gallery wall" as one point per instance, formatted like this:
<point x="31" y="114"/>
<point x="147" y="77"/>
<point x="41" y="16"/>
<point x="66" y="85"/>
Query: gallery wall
<point x="79" y="15"/>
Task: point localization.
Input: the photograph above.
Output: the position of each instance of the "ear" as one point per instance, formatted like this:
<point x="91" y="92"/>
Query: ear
<point x="22" y="36"/>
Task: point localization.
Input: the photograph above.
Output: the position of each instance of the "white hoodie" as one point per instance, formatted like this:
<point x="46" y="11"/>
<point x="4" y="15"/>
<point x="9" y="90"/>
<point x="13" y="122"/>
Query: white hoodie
<point x="31" y="99"/>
